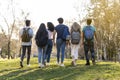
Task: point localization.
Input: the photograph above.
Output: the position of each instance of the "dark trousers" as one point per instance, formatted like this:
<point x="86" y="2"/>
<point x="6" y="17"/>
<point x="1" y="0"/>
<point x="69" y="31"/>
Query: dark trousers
<point x="24" y="49"/>
<point x="89" y="47"/>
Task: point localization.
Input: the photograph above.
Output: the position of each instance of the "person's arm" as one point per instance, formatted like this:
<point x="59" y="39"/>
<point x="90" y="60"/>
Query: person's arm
<point x="31" y="33"/>
<point x="96" y="38"/>
<point x="20" y="33"/>
<point x="82" y="37"/>
<point x="36" y="35"/>
<point x="54" y="33"/>
<point x="68" y="41"/>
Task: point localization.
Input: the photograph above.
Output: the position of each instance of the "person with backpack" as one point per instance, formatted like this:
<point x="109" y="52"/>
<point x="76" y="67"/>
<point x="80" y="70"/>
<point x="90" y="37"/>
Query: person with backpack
<point x="62" y="33"/>
<point x="41" y="39"/>
<point x="26" y="35"/>
<point x="75" y="42"/>
<point x="50" y="42"/>
<point x="88" y="34"/>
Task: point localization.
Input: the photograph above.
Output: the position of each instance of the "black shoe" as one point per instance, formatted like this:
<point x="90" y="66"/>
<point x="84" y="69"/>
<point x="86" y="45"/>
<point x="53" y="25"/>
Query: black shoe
<point x="21" y="65"/>
<point x="72" y="63"/>
<point x="87" y="64"/>
<point x="93" y="62"/>
<point x="44" y="63"/>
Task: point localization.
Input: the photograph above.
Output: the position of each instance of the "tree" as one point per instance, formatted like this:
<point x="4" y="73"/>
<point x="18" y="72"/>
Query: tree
<point x="106" y="17"/>
<point x="105" y="14"/>
<point x="11" y="21"/>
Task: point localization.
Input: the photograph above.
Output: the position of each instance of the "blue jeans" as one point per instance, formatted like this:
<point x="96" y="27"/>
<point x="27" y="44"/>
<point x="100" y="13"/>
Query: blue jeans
<point x="60" y="45"/>
<point x="49" y="50"/>
<point x="41" y="55"/>
<point x="87" y="47"/>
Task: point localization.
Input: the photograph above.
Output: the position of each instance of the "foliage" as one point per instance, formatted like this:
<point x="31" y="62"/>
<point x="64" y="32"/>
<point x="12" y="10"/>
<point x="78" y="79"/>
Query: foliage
<point x="10" y="27"/>
<point x="106" y="18"/>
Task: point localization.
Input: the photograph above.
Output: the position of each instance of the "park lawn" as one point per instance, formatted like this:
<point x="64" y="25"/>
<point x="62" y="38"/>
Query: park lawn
<point x="10" y="70"/>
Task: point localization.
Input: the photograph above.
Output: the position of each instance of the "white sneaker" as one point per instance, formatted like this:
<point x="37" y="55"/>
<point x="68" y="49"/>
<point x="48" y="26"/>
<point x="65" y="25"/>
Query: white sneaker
<point x="62" y="65"/>
<point x="42" y="66"/>
<point x="28" y="65"/>
<point x="58" y="63"/>
<point x="75" y="64"/>
<point x="47" y="64"/>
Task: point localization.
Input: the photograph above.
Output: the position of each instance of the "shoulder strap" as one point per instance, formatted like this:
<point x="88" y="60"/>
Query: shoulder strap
<point x="24" y="28"/>
<point x="89" y="26"/>
<point x="28" y="29"/>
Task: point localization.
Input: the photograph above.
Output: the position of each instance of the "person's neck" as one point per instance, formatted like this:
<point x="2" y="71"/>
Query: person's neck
<point x="88" y="24"/>
<point x="60" y="23"/>
<point x="27" y="26"/>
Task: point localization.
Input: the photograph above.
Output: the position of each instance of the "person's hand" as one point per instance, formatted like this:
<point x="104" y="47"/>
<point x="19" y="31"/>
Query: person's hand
<point x="82" y="43"/>
<point x="67" y="42"/>
<point x="96" y="43"/>
<point x="54" y="43"/>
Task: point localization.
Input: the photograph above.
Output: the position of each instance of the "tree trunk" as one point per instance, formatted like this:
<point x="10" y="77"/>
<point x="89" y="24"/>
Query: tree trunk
<point x="97" y="54"/>
<point x="8" y="49"/>
<point x="105" y="53"/>
<point x="118" y="55"/>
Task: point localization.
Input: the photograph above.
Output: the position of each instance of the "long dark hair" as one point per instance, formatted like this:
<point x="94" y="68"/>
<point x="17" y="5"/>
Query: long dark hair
<point x="41" y="31"/>
<point x="42" y="28"/>
<point x="50" y="26"/>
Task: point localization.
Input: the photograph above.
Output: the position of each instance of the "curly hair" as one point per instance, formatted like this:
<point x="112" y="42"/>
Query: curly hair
<point x="50" y="26"/>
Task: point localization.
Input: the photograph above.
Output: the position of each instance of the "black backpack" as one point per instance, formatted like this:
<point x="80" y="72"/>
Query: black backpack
<point x="42" y="39"/>
<point x="25" y="36"/>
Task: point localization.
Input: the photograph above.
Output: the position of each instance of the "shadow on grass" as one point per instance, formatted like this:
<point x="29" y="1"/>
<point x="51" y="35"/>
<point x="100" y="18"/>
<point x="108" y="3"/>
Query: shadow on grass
<point x="9" y="73"/>
<point x="54" y="72"/>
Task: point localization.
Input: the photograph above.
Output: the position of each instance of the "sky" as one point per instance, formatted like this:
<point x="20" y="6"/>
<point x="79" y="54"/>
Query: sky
<point x="50" y="10"/>
<point x="45" y="10"/>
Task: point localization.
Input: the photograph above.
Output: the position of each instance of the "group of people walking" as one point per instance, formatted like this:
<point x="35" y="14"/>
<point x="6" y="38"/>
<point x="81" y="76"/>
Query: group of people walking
<point x="45" y="39"/>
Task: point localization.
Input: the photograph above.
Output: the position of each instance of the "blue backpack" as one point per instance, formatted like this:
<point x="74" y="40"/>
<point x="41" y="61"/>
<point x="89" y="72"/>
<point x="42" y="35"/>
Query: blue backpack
<point x="88" y="33"/>
<point x="66" y="34"/>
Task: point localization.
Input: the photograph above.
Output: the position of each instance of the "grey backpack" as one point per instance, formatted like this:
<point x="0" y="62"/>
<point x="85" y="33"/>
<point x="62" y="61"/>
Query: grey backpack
<point x="75" y="37"/>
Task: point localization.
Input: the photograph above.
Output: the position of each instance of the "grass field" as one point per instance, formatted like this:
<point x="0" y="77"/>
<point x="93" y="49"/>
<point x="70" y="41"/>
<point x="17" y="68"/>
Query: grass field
<point x="9" y="70"/>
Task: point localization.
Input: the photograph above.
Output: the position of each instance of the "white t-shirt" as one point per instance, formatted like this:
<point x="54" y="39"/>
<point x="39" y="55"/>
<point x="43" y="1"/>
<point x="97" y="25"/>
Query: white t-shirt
<point x="50" y="34"/>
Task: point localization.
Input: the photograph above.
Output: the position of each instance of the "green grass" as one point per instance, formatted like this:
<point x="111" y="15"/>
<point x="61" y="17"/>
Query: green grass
<point x="9" y="70"/>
